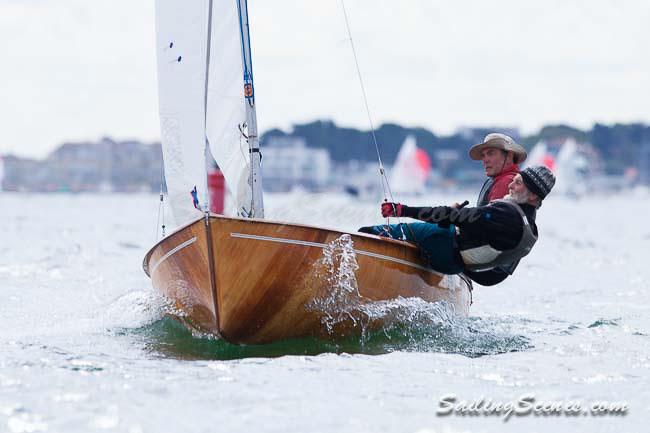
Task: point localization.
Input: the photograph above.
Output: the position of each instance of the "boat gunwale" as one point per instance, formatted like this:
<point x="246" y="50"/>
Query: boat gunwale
<point x="145" y="262"/>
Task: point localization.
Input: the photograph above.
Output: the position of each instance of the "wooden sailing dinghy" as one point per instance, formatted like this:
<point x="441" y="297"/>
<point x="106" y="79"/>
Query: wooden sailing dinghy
<point x="255" y="281"/>
<point x="242" y="278"/>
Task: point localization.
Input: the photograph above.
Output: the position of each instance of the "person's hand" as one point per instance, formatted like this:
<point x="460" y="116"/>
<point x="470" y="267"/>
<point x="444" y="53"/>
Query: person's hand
<point x="391" y="210"/>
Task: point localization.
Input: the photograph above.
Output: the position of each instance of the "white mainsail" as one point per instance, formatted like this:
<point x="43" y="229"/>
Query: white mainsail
<point x="182" y="39"/>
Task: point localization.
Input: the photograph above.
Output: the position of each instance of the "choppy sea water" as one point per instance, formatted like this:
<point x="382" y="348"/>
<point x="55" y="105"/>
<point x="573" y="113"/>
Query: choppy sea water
<point x="85" y="345"/>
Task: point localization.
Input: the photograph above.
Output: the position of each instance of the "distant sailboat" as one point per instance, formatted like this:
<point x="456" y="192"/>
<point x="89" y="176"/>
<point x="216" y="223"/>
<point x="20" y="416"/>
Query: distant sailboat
<point x="411" y="170"/>
<point x="540" y="155"/>
<point x="570" y="169"/>
<point x="569" y="165"/>
<point x="240" y="277"/>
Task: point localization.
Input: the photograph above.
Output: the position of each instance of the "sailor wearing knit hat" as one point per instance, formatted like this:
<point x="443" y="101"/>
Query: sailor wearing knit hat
<point x="539" y="180"/>
<point x="531" y="186"/>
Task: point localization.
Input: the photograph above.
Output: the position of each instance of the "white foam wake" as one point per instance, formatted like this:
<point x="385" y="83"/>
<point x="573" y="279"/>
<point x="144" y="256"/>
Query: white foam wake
<point x="340" y="300"/>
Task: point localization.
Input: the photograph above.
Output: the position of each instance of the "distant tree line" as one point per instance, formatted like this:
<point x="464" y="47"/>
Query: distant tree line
<point x="619" y="144"/>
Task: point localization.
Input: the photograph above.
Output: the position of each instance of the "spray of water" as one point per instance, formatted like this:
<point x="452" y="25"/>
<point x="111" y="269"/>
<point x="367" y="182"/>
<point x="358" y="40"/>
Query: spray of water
<point x="341" y="303"/>
<point x="339" y="299"/>
<point x="401" y="323"/>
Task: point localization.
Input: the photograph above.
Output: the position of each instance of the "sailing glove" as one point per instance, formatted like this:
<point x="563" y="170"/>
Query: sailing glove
<point x="391" y="209"/>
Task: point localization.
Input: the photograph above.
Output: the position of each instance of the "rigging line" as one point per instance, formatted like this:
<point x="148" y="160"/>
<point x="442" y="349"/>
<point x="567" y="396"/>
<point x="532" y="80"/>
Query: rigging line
<point x="161" y="204"/>
<point x="161" y="212"/>
<point x="157" y="224"/>
<point x="382" y="171"/>
<point x="385" y="185"/>
<point x="247" y="162"/>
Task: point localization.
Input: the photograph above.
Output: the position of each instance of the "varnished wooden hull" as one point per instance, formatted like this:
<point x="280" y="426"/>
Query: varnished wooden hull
<point x="254" y="281"/>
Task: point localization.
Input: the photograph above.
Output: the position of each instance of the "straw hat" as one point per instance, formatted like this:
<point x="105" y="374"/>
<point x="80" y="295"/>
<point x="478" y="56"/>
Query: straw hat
<point x="499" y="141"/>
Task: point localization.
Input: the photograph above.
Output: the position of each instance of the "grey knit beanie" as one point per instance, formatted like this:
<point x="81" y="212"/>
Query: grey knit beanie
<point x="539" y="180"/>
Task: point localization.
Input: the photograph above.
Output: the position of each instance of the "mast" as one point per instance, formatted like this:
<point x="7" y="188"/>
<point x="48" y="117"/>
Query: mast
<point x="206" y="148"/>
<point x="251" y="116"/>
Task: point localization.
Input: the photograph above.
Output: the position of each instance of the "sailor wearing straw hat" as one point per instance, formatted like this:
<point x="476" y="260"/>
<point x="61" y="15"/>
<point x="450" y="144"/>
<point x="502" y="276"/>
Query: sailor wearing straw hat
<point x="500" y="155"/>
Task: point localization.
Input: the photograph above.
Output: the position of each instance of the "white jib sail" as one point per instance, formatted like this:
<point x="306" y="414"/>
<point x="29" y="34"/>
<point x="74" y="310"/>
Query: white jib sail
<point x="227" y="122"/>
<point x="182" y="39"/>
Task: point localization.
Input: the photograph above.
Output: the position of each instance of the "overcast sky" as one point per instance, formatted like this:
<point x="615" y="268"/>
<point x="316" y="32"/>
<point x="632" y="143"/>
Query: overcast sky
<point x="81" y="69"/>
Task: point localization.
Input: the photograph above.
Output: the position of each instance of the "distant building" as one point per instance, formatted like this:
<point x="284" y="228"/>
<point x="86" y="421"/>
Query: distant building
<point x="287" y="162"/>
<point x="23" y="174"/>
<point x="135" y="166"/>
<point x="77" y="167"/>
<point x="102" y="166"/>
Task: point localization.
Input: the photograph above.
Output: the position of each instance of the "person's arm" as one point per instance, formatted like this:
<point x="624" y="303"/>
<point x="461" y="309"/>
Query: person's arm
<point x="444" y="215"/>
<point x="482" y="219"/>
